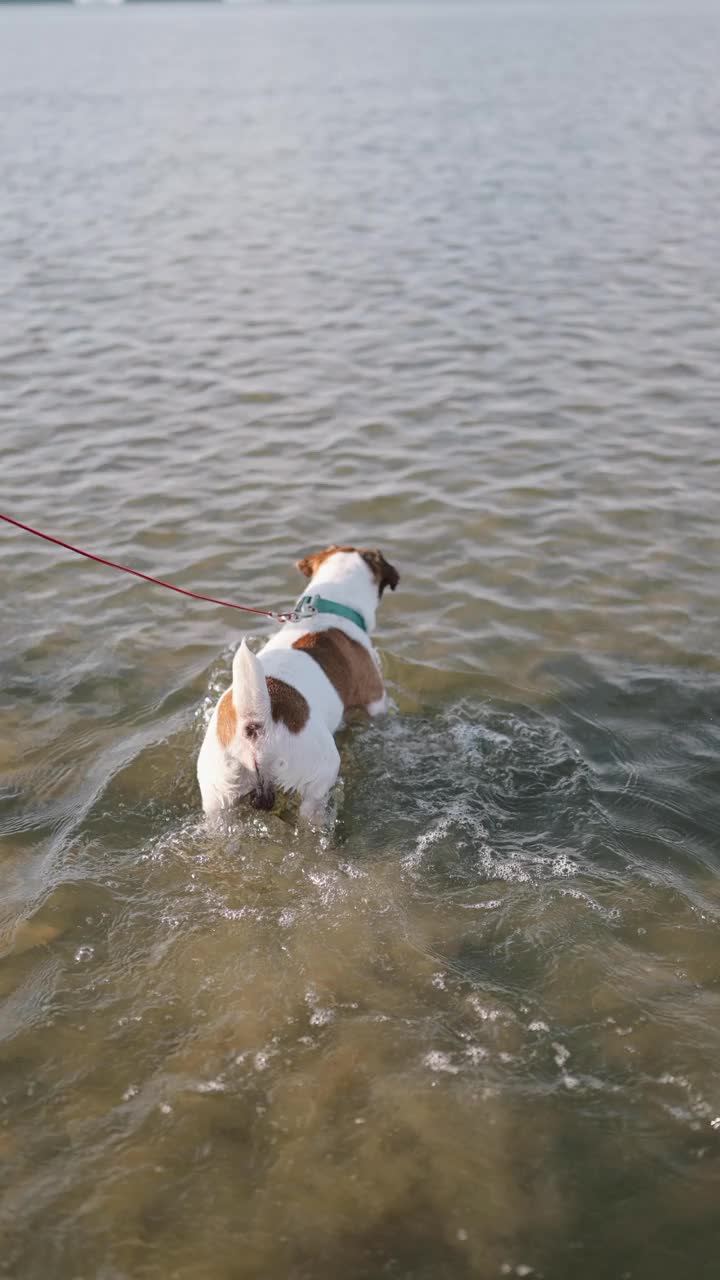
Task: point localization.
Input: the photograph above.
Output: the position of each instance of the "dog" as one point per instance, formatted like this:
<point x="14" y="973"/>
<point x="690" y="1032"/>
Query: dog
<point x="273" y="728"/>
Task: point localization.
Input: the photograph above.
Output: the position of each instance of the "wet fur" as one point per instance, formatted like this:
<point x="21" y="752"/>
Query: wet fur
<point x="274" y="727"/>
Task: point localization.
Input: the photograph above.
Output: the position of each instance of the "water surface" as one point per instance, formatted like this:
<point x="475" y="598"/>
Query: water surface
<point x="444" y="280"/>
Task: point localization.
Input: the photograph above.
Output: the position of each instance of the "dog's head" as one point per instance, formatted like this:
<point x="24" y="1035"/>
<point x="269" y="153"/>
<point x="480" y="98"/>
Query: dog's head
<point x="383" y="574"/>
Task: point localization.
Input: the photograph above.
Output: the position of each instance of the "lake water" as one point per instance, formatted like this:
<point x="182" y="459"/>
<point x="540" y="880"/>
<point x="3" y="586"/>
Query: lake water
<point x="443" y="280"/>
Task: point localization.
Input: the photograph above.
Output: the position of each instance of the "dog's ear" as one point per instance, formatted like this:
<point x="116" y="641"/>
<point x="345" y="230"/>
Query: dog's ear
<point x="306" y="565"/>
<point x="385" y="574"/>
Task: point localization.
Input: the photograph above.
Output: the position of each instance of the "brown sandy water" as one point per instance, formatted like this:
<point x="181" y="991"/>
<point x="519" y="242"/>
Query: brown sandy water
<point x="445" y="280"/>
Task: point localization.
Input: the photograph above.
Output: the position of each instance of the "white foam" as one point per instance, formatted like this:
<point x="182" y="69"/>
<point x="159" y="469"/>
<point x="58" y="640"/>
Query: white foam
<point x="321" y="1017"/>
<point x="425" y="841"/>
<point x="210" y="1086"/>
<point x="438" y="1061"/>
<point x="561" y="1054"/>
<point x="476" y="1054"/>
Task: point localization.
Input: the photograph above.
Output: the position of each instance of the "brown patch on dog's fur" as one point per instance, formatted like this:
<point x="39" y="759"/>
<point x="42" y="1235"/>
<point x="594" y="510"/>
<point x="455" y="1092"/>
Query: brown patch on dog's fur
<point x="226" y="719"/>
<point x="287" y="704"/>
<point x="347" y="664"/>
<point x="385" y="574"/>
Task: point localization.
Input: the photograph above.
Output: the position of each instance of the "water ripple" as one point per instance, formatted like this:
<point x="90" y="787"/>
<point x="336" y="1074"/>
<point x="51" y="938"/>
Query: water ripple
<point x="441" y="279"/>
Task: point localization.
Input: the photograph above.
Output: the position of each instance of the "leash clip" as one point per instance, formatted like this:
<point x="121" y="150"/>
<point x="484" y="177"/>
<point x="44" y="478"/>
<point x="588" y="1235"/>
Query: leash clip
<point x="303" y="609"/>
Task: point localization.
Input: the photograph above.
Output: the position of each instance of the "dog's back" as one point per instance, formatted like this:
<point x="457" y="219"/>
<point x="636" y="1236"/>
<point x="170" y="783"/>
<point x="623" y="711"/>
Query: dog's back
<point x="274" y="727"/>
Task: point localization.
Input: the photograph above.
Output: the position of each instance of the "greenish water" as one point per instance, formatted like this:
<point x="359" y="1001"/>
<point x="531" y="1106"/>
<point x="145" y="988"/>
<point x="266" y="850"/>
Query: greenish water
<point x="442" y="280"/>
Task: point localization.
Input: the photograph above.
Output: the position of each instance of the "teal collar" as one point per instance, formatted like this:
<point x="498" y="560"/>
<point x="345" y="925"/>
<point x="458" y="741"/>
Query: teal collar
<point x="307" y="606"/>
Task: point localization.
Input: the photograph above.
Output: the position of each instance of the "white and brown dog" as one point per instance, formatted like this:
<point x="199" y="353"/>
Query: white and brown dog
<point x="274" y="726"/>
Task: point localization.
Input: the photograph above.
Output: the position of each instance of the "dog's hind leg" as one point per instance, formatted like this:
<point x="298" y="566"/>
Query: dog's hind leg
<point x="220" y="796"/>
<point x="222" y="781"/>
<point x="379" y="707"/>
<point x="315" y="790"/>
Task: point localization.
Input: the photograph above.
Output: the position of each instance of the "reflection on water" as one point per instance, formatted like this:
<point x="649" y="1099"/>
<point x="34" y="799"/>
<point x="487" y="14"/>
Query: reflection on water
<point x="444" y="280"/>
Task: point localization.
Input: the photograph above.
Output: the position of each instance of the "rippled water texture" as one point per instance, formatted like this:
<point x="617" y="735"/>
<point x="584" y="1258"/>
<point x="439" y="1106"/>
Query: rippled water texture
<point x="443" y="280"/>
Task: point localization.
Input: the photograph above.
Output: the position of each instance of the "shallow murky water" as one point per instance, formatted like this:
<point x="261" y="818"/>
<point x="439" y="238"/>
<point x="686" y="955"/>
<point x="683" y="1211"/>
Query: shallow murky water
<point x="440" y="279"/>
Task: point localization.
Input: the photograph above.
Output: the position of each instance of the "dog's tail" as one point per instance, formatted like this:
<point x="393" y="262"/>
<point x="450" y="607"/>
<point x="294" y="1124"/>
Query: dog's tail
<point x="251" y="700"/>
<point x="250" y="696"/>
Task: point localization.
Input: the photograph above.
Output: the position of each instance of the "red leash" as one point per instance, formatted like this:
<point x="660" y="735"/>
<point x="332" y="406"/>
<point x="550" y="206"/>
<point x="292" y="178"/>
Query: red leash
<point x="279" y="617"/>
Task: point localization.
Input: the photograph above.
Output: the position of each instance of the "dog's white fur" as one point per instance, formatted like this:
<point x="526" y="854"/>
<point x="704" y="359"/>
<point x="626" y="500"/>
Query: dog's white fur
<point x="306" y="762"/>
